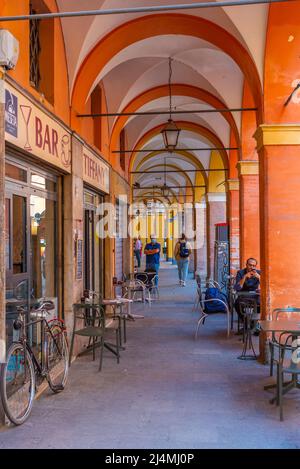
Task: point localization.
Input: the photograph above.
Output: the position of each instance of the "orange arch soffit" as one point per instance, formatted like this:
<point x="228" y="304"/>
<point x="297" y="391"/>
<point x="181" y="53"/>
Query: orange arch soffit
<point x="156" y="25"/>
<point x="190" y="126"/>
<point x="177" y="90"/>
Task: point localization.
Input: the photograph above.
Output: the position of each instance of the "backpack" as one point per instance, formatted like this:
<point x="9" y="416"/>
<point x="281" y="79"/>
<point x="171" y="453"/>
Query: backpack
<point x="183" y="250"/>
<point x="215" y="306"/>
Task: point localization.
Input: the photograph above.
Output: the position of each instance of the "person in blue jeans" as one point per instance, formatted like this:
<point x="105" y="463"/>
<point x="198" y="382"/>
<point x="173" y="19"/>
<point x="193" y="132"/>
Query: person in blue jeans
<point x="182" y="254"/>
<point x="152" y="251"/>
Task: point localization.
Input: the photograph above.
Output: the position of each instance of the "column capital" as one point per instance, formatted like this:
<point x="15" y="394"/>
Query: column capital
<point x="232" y="185"/>
<point x="216" y="196"/>
<point x="248" y="168"/>
<point x="277" y="134"/>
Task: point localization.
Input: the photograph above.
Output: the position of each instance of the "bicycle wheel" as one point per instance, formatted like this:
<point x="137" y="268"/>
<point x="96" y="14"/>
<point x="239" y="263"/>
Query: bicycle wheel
<point x="17" y="384"/>
<point x="57" y="358"/>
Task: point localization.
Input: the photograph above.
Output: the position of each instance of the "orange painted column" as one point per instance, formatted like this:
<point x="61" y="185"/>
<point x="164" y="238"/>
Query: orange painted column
<point x="201" y="231"/>
<point x="249" y="210"/>
<point x="279" y="153"/>
<point x="249" y="183"/>
<point x="216" y="213"/>
<point x="233" y="207"/>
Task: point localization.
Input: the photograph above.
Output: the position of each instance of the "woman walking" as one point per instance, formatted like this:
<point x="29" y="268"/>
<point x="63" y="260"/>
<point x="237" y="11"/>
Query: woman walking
<point x="182" y="254"/>
<point x="137" y="246"/>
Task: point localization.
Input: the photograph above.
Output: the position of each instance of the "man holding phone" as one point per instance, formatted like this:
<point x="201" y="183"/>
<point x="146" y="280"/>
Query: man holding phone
<point x="248" y="279"/>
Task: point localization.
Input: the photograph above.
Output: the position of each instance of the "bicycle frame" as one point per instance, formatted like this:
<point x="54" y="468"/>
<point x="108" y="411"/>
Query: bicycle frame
<point x="40" y="365"/>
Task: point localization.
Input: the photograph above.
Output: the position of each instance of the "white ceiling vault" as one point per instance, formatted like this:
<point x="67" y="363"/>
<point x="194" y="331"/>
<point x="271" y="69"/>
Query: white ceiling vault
<point x="144" y="65"/>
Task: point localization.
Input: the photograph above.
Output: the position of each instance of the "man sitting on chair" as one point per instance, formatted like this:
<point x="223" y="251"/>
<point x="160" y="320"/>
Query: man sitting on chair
<point x="248" y="280"/>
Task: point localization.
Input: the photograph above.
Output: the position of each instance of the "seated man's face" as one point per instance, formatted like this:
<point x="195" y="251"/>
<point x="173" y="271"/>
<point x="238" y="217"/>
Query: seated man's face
<point x="251" y="265"/>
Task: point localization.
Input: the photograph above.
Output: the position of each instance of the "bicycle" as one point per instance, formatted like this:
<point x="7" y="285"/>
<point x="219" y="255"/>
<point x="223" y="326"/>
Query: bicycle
<point x="23" y="368"/>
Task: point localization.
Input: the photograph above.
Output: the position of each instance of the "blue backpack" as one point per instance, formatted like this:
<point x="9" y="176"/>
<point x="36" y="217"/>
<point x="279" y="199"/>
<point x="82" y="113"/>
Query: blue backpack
<point x="183" y="250"/>
<point x="215" y="306"/>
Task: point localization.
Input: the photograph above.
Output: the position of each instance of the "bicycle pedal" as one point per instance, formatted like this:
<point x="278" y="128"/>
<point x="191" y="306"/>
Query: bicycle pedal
<point x="58" y="388"/>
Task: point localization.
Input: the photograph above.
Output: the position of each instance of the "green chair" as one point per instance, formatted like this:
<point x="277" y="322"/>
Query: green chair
<point x="280" y="313"/>
<point x="95" y="326"/>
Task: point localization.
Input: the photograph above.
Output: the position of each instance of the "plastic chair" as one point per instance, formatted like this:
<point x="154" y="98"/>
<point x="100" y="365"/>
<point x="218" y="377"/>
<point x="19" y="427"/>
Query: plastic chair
<point x="94" y="326"/>
<point x="280" y="313"/>
<point x="288" y="363"/>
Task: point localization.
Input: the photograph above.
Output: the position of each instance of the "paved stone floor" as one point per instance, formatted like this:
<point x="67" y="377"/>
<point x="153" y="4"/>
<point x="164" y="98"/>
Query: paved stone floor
<point x="169" y="391"/>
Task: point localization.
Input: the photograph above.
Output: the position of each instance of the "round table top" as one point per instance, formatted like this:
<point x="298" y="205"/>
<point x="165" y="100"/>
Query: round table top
<point x="113" y="301"/>
<point x="248" y="293"/>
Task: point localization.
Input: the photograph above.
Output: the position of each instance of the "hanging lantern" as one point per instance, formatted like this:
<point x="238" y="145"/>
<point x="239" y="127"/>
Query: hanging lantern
<point x="170" y="131"/>
<point x="170" y="135"/>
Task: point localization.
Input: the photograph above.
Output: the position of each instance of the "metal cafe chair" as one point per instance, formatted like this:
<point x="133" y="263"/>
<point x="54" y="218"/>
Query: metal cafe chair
<point x="154" y="290"/>
<point x="288" y="362"/>
<point x="94" y="326"/>
<point x="149" y="279"/>
<point x="198" y="295"/>
<point x="142" y="284"/>
<point x="280" y="313"/>
<point x="204" y="315"/>
<point x="248" y="310"/>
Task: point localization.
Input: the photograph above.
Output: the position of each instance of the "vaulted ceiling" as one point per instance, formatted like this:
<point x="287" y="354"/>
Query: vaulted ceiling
<point x="143" y="65"/>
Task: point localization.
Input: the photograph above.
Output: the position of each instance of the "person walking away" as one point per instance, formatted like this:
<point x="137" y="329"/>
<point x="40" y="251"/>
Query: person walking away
<point x="152" y="251"/>
<point x="141" y="249"/>
<point x="137" y="251"/>
<point x="182" y="254"/>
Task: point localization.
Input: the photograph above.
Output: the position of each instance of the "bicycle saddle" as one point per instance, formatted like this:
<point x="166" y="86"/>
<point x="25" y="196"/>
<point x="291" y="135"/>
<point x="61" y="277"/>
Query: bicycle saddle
<point x="45" y="305"/>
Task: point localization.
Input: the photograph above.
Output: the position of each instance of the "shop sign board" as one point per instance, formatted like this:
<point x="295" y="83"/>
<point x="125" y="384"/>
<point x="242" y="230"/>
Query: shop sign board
<point x="95" y="171"/>
<point x="33" y="130"/>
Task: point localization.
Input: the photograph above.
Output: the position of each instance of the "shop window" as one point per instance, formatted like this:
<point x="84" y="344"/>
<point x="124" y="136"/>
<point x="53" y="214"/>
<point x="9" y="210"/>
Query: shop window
<point x="42" y="182"/>
<point x="41" y="43"/>
<point x="96" y="108"/>
<point x="43" y="246"/>
<point x="15" y="172"/>
<point x="122" y="149"/>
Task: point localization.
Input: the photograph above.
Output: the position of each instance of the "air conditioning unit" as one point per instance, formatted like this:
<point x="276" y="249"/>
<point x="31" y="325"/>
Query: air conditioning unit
<point x="9" y="50"/>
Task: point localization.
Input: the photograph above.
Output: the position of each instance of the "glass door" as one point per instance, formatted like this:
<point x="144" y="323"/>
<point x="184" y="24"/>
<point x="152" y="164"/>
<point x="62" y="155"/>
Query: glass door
<point x="93" y="246"/>
<point x="31" y="239"/>
<point x="89" y="249"/>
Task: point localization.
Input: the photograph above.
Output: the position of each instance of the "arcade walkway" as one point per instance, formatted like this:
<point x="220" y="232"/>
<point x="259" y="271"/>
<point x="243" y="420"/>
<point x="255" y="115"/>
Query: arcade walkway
<point x="167" y="392"/>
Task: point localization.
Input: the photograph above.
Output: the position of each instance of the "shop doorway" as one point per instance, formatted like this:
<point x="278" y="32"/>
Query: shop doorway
<point x="31" y="239"/>
<point x="93" y="245"/>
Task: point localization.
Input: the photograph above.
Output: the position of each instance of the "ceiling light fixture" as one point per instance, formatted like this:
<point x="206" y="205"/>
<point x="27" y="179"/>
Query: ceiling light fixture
<point x="170" y="131"/>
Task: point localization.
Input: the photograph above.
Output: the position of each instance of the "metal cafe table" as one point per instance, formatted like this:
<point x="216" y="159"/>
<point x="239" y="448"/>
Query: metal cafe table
<point x="281" y="325"/>
<point x="251" y="315"/>
<point x="130" y="286"/>
<point x="117" y="305"/>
